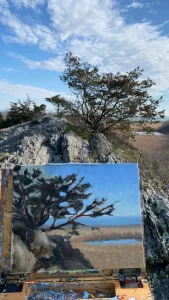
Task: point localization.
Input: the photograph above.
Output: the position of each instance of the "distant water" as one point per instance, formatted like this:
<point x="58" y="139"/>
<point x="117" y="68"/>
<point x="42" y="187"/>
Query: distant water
<point x="145" y="133"/>
<point x="111" y="221"/>
<point x="104" y="221"/>
<point x="114" y="242"/>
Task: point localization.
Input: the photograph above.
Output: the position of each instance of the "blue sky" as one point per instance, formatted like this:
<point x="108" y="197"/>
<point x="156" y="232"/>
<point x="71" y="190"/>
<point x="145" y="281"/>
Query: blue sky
<point x="117" y="35"/>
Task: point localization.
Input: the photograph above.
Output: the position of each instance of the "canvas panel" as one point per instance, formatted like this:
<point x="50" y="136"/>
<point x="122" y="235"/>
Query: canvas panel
<point x="76" y="217"/>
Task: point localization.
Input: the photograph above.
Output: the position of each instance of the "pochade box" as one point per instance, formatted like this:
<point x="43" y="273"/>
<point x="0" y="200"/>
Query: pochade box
<point x="65" y="222"/>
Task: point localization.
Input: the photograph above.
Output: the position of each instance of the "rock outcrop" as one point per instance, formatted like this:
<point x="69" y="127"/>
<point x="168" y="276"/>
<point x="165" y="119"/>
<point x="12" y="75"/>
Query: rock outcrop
<point x="48" y="141"/>
<point x="156" y="240"/>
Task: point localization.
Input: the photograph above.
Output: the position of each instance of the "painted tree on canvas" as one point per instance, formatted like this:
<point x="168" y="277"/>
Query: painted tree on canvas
<point x="37" y="198"/>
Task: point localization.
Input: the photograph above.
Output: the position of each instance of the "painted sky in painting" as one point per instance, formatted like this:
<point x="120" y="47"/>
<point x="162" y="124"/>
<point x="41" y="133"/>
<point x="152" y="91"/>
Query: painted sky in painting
<point x="116" y="182"/>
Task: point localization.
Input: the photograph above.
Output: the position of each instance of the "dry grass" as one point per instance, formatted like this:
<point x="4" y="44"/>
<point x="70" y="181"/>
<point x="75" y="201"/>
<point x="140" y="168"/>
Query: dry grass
<point x="108" y="256"/>
<point x="154" y="126"/>
<point x="112" y="256"/>
<point x="87" y="233"/>
<point x="107" y="233"/>
<point x="147" y="143"/>
<point x="150" y="143"/>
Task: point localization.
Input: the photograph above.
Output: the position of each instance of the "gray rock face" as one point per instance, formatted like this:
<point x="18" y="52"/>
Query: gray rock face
<point x="30" y="143"/>
<point x="156" y="221"/>
<point x="47" y="141"/>
<point x="156" y="232"/>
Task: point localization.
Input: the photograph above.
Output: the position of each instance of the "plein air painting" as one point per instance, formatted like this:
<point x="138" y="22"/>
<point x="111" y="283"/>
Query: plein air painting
<point x="76" y="217"/>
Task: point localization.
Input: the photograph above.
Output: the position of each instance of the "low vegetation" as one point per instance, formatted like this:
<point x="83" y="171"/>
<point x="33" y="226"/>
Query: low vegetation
<point x="158" y="168"/>
<point x="21" y="112"/>
<point x="128" y="155"/>
<point x="84" y="134"/>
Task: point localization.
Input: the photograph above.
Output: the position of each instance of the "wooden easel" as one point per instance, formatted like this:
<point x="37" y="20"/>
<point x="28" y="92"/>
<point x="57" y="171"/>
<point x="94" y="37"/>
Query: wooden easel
<point x="106" y="281"/>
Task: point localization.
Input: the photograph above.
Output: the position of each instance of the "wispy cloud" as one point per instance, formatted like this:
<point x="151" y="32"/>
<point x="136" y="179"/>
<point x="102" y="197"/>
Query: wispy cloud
<point x="52" y="64"/>
<point x="135" y="4"/>
<point x="13" y="92"/>
<point x="96" y="32"/>
<point x="8" y="69"/>
<point x="28" y="3"/>
<point x="20" y="91"/>
<point x="34" y="34"/>
<point x="17" y="90"/>
<point x="152" y="11"/>
<point x="4" y="4"/>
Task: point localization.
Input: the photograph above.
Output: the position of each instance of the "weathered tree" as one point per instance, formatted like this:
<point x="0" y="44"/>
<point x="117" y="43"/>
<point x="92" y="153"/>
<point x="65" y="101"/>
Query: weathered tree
<point x="37" y="198"/>
<point x="62" y="105"/>
<point x="105" y="100"/>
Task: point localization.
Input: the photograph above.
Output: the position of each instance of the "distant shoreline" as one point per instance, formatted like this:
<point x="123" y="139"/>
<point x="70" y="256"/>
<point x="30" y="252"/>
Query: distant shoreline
<point x="109" y="232"/>
<point x="105" y="226"/>
<point x="116" y="226"/>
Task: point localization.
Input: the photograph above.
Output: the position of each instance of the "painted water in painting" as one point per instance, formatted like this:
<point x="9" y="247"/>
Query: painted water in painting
<point x="76" y="217"/>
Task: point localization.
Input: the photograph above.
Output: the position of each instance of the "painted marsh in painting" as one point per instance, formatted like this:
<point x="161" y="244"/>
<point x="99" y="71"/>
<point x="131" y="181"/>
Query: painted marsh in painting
<point x="66" y="216"/>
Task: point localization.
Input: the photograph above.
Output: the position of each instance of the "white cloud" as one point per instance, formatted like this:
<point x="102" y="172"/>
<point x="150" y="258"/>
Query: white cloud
<point x="8" y="69"/>
<point x="96" y="32"/>
<point x="84" y="18"/>
<point x="28" y="3"/>
<point x="135" y="4"/>
<point x="13" y="92"/>
<point x="52" y="64"/>
<point x="26" y="34"/>
<point x="152" y="11"/>
<point x="19" y="90"/>
<point x="4" y="4"/>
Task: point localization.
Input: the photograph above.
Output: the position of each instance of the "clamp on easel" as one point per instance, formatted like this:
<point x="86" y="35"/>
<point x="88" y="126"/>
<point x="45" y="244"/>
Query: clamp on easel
<point x="126" y="279"/>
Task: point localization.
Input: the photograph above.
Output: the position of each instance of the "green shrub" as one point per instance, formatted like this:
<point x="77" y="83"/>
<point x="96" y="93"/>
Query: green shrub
<point x="84" y="134"/>
<point x="129" y="155"/>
